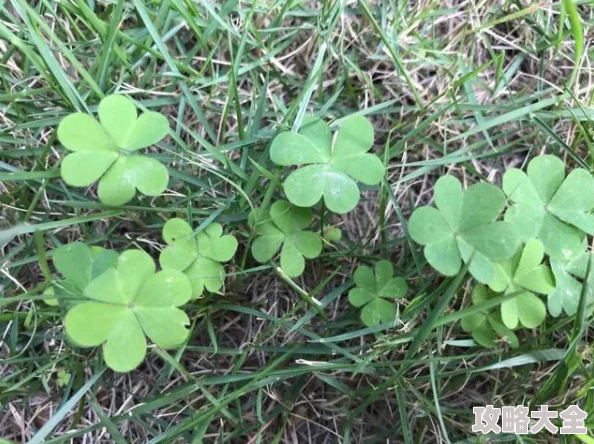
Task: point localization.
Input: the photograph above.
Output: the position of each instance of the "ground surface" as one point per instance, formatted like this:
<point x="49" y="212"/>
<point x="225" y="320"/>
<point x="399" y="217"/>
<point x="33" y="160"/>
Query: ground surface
<point x="466" y="87"/>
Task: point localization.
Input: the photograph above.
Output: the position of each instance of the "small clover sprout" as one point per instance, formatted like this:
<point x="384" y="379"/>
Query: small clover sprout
<point x="570" y="276"/>
<point x="105" y="150"/>
<point x="332" y="234"/>
<point x="78" y="264"/>
<point x="463" y="227"/>
<point x="284" y="227"/>
<point x="376" y="293"/>
<point x="525" y="275"/>
<point x="332" y="164"/>
<point x="199" y="255"/>
<point x="485" y="326"/>
<point x="62" y="378"/>
<point x="549" y="206"/>
<point x="126" y="303"/>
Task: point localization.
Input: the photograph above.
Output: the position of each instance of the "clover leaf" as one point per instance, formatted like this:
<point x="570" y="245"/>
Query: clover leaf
<point x="332" y="164"/>
<point x="549" y="206"/>
<point x="78" y="264"/>
<point x="127" y="303"/>
<point x="284" y="227"/>
<point x="463" y="227"/>
<point x="105" y="150"/>
<point x="525" y="275"/>
<point x="570" y="276"/>
<point x="485" y="326"/>
<point x="375" y="293"/>
<point x="199" y="255"/>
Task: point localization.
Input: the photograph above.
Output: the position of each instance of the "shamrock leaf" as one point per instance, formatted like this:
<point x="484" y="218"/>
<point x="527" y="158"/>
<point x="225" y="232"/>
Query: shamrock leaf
<point x="284" y="227"/>
<point x="78" y="264"/>
<point x="332" y="165"/>
<point x="126" y="303"/>
<point x="549" y="206"/>
<point x="375" y="293"/>
<point x="570" y="276"/>
<point x="63" y="378"/>
<point x="199" y="255"/>
<point x="105" y="151"/>
<point x="525" y="275"/>
<point x="485" y="326"/>
<point x="463" y="228"/>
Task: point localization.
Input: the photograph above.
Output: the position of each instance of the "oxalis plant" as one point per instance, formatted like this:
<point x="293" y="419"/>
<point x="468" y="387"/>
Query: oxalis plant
<point x="548" y="212"/>
<point x="333" y="164"/>
<point x="376" y="292"/>
<point x="522" y="243"/>
<point x="126" y="303"/>
<point x="525" y="275"/>
<point x="486" y="326"/>
<point x="106" y="150"/>
<point x="78" y="264"/>
<point x="198" y="255"/>
<point x="464" y="228"/>
<point x="284" y="228"/>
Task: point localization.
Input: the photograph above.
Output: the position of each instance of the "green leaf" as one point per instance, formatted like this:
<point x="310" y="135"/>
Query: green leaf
<point x="102" y="151"/>
<point x="464" y="227"/>
<point x="205" y="273"/>
<point x="128" y="302"/>
<point x="374" y="291"/>
<point x="358" y="297"/>
<point x="378" y="311"/>
<point x="524" y="274"/>
<point x="78" y="264"/>
<point x="74" y="262"/>
<point x="198" y="256"/>
<point x="81" y="132"/>
<point x="546" y="205"/>
<point x="292" y="261"/>
<point x="284" y="228"/>
<point x="129" y="173"/>
<point x="486" y="326"/>
<point x="119" y="118"/>
<point x="569" y="276"/>
<point x="332" y="234"/>
<point x="526" y="308"/>
<point x="84" y="168"/>
<point x="331" y="171"/>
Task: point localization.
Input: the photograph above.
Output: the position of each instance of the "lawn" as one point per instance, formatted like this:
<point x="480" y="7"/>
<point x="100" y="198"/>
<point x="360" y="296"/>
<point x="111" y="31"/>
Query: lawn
<point x="278" y="350"/>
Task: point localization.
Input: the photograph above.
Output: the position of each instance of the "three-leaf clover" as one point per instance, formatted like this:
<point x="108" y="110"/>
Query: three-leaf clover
<point x="199" y="255"/>
<point x="332" y="164"/>
<point x="570" y="276"/>
<point x="524" y="274"/>
<point x="463" y="227"/>
<point x="78" y="264"/>
<point x="105" y="150"/>
<point x="126" y="303"/>
<point x="376" y="293"/>
<point x="549" y="206"/>
<point x="485" y="326"/>
<point x="284" y="226"/>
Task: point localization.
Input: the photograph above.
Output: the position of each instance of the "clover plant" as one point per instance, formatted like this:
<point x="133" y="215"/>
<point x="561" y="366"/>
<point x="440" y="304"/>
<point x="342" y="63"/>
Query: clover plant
<point x="105" y="150"/>
<point x="78" y="264"/>
<point x="464" y="227"/>
<point x="332" y="164"/>
<point x="198" y="255"/>
<point x="125" y="304"/>
<point x="486" y="326"/>
<point x="525" y="275"/>
<point x="376" y="292"/>
<point x="570" y="277"/>
<point x="551" y="207"/>
<point x="284" y="226"/>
